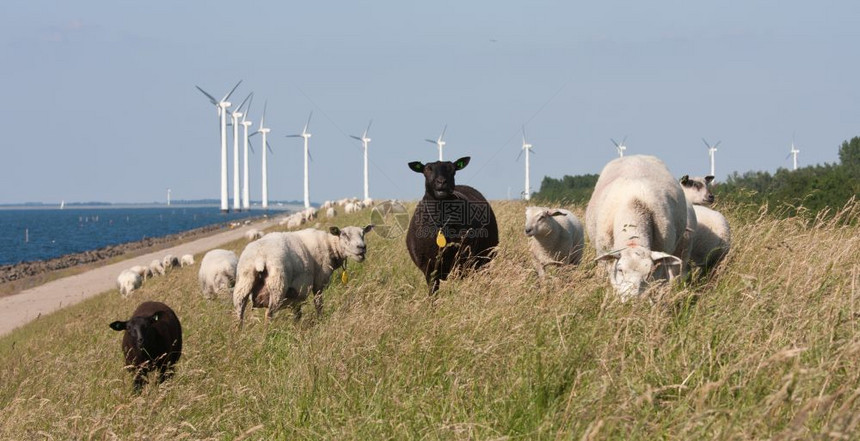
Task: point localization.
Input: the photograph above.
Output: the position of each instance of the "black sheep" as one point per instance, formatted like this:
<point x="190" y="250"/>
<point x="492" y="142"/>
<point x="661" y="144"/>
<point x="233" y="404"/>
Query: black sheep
<point x="152" y="341"/>
<point x="453" y="225"/>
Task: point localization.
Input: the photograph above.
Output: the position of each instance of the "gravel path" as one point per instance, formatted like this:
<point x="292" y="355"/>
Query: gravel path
<point x="26" y="306"/>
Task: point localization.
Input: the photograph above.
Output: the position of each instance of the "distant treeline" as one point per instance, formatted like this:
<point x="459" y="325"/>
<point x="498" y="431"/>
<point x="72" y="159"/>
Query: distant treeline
<point x="814" y="187"/>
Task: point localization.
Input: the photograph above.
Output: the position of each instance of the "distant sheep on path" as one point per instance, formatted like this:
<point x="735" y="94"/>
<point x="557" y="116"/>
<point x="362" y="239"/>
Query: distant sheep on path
<point x="128" y="281"/>
<point x="453" y="225"/>
<point x="152" y="341"/>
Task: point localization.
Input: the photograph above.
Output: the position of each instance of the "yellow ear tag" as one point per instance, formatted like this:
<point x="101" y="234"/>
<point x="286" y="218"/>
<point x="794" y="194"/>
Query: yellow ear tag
<point x="344" y="277"/>
<point x="440" y="240"/>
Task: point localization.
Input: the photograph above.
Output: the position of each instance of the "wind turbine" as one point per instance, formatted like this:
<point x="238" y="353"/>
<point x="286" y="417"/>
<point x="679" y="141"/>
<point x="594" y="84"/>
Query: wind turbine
<point x="222" y="106"/>
<point x="305" y="134"/>
<point x="237" y="206"/>
<point x="711" y="150"/>
<point x="439" y="143"/>
<point x="246" y="195"/>
<point x="264" y="131"/>
<point x="793" y="152"/>
<point x="168" y="197"/>
<point x="620" y="147"/>
<point x="528" y="149"/>
<point x="364" y="142"/>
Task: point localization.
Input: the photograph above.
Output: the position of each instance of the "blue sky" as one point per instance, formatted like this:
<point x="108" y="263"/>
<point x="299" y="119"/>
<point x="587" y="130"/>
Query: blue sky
<point x="99" y="98"/>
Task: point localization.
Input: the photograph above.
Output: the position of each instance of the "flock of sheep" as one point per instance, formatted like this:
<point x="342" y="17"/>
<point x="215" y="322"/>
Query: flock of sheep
<point x="645" y="226"/>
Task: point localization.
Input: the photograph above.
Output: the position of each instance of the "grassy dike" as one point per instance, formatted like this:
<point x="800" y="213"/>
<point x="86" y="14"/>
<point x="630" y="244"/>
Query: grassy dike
<point x="766" y="348"/>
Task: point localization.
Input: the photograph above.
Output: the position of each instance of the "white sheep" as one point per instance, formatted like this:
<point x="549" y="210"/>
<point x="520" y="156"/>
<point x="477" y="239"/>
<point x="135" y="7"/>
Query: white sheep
<point x="143" y="271"/>
<point x="326" y="205"/>
<point x="169" y="261"/>
<point x="712" y="238"/>
<point x="330" y="212"/>
<point x="128" y="281"/>
<point x="156" y="267"/>
<point x="555" y="237"/>
<point x="284" y="268"/>
<point x="295" y="221"/>
<point x="186" y="260"/>
<point x="253" y="234"/>
<point x="217" y="272"/>
<point x="697" y="189"/>
<point x="637" y="220"/>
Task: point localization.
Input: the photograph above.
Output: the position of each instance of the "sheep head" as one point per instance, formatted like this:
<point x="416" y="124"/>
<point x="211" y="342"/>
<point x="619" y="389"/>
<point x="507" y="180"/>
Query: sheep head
<point x="351" y="241"/>
<point x="439" y="176"/>
<point x="138" y="328"/>
<point x="536" y="218"/>
<point x="697" y="190"/>
<point x="633" y="268"/>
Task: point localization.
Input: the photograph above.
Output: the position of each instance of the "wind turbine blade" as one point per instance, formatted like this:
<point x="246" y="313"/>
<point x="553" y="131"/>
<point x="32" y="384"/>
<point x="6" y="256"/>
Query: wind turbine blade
<point x="624" y="140"/>
<point x="443" y="132"/>
<point x="248" y="109"/>
<point x="308" y="123"/>
<point x="239" y="109"/>
<point x="706" y="143"/>
<point x="251" y="146"/>
<point x="520" y="154"/>
<point x="251" y="135"/>
<point x="310" y="155"/>
<point x="717" y="145"/>
<point x="227" y="97"/>
<point x="355" y="137"/>
<point x="613" y="141"/>
<point x="211" y="98"/>
<point x="293" y="136"/>
<point x="367" y="129"/>
<point x="524" y="134"/>
<point x="269" y="147"/>
<point x="263" y="119"/>
<point x="431" y="141"/>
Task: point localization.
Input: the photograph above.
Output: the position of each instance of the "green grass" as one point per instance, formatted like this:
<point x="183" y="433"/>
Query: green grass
<point x="765" y="348"/>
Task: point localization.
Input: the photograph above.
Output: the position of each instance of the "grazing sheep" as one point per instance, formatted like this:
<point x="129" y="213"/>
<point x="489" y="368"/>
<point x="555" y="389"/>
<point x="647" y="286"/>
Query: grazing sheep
<point x="152" y="341"/>
<point x="169" y="261"/>
<point x="698" y="190"/>
<point x="711" y="240"/>
<point x="330" y="212"/>
<point x="295" y="221"/>
<point x="326" y="205"/>
<point x="143" y="271"/>
<point x="128" y="281"/>
<point x="453" y="225"/>
<point x="284" y="268"/>
<point x="156" y="268"/>
<point x="637" y="219"/>
<point x="217" y="272"/>
<point x="555" y="237"/>
<point x="253" y="234"/>
<point x="186" y="260"/>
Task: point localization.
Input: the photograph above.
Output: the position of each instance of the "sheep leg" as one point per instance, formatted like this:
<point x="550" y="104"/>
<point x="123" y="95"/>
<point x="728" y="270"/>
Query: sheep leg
<point x="318" y="302"/>
<point x="139" y="380"/>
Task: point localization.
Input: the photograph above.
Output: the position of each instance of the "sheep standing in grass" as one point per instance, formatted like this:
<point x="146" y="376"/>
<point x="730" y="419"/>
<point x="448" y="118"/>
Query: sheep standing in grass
<point x="169" y="262"/>
<point x="156" y="267"/>
<point x="637" y="220"/>
<point x="712" y="237"/>
<point x="453" y="226"/>
<point x="284" y="268"/>
<point x="555" y="237"/>
<point x="253" y="234"/>
<point x="143" y="271"/>
<point x="186" y="260"/>
<point x="128" y="281"/>
<point x="217" y="272"/>
<point x="152" y="341"/>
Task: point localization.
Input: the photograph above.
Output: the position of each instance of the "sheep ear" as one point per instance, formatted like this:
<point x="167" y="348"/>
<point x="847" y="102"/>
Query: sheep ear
<point x="556" y="213"/>
<point x="367" y="228"/>
<point x="416" y="166"/>
<point x="673" y="264"/>
<point x="334" y="231"/>
<point x="462" y="163"/>
<point x="708" y="179"/>
<point x="608" y="257"/>
<point x="685" y="179"/>
<point x="117" y="326"/>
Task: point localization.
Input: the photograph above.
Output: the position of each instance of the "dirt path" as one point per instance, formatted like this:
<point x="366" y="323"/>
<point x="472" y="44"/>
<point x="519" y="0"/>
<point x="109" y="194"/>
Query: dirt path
<point x="24" y="307"/>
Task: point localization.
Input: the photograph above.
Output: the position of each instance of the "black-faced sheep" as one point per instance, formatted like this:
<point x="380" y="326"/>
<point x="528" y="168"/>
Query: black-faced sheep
<point x="453" y="225"/>
<point x="152" y="341"/>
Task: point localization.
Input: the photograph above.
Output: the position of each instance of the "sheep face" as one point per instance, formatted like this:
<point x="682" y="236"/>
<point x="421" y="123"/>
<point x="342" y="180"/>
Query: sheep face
<point x="351" y="241"/>
<point x="439" y="176"/>
<point x="138" y="328"/>
<point x="536" y="221"/>
<point x="633" y="268"/>
<point x="697" y="190"/>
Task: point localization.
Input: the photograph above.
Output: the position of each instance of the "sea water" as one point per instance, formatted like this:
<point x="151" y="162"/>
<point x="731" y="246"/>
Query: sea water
<point x="29" y="234"/>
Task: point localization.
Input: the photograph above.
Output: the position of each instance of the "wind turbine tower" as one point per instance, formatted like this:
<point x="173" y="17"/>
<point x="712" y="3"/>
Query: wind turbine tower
<point x="168" y="197"/>
<point x="711" y="150"/>
<point x="305" y="134"/>
<point x="235" y="115"/>
<point x="620" y="147"/>
<point x="264" y="131"/>
<point x="364" y="142"/>
<point x="246" y="195"/>
<point x="439" y="143"/>
<point x="527" y="148"/>
<point x="793" y="152"/>
<point x="222" y="106"/>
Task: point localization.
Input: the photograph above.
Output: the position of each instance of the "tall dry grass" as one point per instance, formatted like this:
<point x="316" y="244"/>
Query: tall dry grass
<point x="767" y="347"/>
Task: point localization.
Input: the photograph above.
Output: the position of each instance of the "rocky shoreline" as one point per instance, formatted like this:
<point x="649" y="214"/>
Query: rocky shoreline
<point x="24" y="270"/>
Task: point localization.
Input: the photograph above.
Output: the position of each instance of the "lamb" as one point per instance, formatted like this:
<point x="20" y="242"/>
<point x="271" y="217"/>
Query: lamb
<point x="156" y="268"/>
<point x="453" y="227"/>
<point x="143" y="271"/>
<point x="284" y="268"/>
<point x="711" y="240"/>
<point x="555" y="237"/>
<point x="169" y="261"/>
<point x="186" y="260"/>
<point x="127" y="282"/>
<point x="253" y="234"/>
<point x="637" y="220"/>
<point x="217" y="272"/>
<point x="152" y="341"/>
<point x="697" y="190"/>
